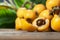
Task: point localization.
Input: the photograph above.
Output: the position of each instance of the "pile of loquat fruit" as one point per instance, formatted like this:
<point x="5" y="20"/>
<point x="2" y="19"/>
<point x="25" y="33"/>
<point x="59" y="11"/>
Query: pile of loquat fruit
<point x="41" y="18"/>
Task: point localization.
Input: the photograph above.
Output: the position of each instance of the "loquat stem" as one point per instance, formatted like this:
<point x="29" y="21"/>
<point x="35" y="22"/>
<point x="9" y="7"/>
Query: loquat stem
<point x="28" y="3"/>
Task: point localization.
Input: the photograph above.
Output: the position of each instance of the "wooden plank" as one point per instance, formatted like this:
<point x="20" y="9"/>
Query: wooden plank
<point x="7" y="34"/>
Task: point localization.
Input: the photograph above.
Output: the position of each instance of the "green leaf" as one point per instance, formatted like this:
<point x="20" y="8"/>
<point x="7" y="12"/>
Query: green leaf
<point x="39" y="1"/>
<point x="18" y="3"/>
<point x="27" y="6"/>
<point x="7" y="18"/>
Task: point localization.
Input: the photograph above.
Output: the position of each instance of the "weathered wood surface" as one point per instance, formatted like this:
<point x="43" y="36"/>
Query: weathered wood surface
<point x="11" y="34"/>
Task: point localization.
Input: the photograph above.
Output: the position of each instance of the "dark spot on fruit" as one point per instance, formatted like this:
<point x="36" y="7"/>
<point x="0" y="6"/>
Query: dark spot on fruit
<point x="51" y="12"/>
<point x="36" y="14"/>
<point x="40" y="22"/>
<point x="23" y="17"/>
<point x="56" y="9"/>
<point x="29" y="20"/>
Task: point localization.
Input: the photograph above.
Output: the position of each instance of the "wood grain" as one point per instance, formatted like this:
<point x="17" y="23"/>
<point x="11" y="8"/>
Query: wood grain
<point x="11" y="34"/>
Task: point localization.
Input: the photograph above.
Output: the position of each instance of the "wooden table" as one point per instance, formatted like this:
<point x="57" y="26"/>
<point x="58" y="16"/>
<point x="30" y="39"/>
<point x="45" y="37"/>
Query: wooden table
<point x="11" y="34"/>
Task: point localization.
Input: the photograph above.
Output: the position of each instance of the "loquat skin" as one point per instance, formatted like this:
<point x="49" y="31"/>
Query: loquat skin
<point x="27" y="26"/>
<point x="50" y="4"/>
<point x="30" y="14"/>
<point x="46" y="14"/>
<point x="44" y="27"/>
<point x="18" y="24"/>
<point x="39" y="8"/>
<point x="55" y="23"/>
<point x="20" y="12"/>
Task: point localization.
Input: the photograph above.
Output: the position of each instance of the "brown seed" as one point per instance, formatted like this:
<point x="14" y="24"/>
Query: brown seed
<point x="40" y="22"/>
